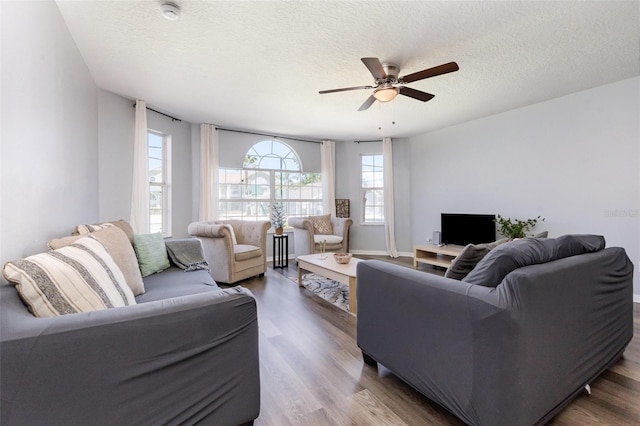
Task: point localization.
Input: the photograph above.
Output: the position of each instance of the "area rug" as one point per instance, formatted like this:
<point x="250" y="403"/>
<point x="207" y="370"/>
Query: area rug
<point x="331" y="291"/>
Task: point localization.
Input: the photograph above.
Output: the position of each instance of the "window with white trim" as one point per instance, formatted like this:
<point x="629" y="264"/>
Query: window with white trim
<point x="271" y="173"/>
<point x="372" y="188"/>
<point x="159" y="167"/>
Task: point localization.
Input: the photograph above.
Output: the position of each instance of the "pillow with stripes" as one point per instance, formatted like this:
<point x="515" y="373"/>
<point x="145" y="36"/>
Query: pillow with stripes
<point x="81" y="277"/>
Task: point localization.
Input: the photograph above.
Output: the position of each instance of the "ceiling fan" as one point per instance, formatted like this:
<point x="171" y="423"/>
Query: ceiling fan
<point x="388" y="85"/>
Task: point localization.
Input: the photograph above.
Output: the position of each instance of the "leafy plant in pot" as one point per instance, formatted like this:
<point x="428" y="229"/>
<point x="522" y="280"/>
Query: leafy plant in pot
<point x="516" y="228"/>
<point x="278" y="217"/>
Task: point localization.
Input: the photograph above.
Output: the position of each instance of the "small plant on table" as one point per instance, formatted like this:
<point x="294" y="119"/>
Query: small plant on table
<point x="516" y="228"/>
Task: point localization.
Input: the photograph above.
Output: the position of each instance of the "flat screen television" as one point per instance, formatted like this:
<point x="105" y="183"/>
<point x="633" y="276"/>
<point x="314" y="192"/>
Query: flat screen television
<point x="463" y="229"/>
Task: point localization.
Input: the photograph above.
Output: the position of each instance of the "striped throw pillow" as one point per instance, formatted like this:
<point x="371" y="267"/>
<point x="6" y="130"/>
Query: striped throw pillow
<point x="87" y="229"/>
<point x="81" y="277"/>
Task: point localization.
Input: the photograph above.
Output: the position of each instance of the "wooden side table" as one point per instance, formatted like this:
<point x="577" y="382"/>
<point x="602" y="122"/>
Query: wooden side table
<point x="280" y="251"/>
<point x="435" y="255"/>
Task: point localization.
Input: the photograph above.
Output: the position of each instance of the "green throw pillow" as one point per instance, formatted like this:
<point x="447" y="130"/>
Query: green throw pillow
<point x="151" y="253"/>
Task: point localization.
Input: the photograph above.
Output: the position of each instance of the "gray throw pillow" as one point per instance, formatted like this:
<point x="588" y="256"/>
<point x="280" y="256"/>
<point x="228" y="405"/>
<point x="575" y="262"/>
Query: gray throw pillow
<point x="496" y="265"/>
<point x="469" y="258"/>
<point x="466" y="261"/>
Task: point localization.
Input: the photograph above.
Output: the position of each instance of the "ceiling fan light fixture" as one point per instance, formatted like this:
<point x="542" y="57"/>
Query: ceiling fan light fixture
<point x="170" y="11"/>
<point x="385" y="93"/>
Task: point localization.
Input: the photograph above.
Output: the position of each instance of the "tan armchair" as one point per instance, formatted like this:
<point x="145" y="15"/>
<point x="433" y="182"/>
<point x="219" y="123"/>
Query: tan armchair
<point x="231" y="261"/>
<point x="306" y="241"/>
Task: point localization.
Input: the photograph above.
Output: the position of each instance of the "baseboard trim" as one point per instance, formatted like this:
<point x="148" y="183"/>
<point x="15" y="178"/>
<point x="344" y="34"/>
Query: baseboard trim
<point x="636" y="298"/>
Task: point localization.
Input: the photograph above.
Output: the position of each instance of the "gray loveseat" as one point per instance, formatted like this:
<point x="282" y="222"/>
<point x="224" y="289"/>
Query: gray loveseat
<point x="186" y="353"/>
<point x="514" y="353"/>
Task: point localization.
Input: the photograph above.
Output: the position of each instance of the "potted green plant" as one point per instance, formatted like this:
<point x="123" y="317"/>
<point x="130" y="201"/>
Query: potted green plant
<point x="516" y="228"/>
<point x="278" y="217"/>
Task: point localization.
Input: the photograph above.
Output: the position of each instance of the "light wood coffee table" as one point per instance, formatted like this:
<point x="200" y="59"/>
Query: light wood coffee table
<point x="329" y="268"/>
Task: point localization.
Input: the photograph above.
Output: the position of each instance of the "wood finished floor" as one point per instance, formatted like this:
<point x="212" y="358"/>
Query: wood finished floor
<point x="312" y="372"/>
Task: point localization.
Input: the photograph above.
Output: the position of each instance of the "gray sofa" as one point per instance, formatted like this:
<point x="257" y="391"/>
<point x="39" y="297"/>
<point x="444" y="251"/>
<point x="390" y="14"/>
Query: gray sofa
<point x="186" y="353"/>
<point x="512" y="354"/>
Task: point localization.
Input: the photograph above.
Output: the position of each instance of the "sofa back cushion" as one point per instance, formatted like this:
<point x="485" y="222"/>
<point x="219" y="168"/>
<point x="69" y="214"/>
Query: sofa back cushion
<point x="492" y="269"/>
<point x="119" y="247"/>
<point x="81" y="277"/>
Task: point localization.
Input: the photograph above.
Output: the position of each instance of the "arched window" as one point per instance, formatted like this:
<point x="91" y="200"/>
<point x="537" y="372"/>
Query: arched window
<point x="272" y="155"/>
<point x="271" y="173"/>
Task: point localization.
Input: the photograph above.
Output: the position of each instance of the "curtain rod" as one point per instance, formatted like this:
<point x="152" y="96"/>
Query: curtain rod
<point x="264" y="134"/>
<point x="375" y="140"/>
<point x="161" y="113"/>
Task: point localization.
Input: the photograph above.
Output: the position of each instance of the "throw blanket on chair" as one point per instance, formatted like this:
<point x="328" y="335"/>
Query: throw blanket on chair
<point x="187" y="254"/>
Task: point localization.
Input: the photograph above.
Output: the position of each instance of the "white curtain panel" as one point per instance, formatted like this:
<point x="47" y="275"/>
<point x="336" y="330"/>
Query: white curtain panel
<point x="389" y="228"/>
<point x="139" y="217"/>
<point x="208" y="172"/>
<point x="328" y="169"/>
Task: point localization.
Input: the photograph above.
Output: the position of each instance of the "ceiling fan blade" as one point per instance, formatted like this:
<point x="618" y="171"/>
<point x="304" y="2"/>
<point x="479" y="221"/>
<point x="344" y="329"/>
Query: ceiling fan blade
<point x="322" y="92"/>
<point x="431" y="72"/>
<point x="370" y="100"/>
<point x="375" y="68"/>
<point x="416" y="94"/>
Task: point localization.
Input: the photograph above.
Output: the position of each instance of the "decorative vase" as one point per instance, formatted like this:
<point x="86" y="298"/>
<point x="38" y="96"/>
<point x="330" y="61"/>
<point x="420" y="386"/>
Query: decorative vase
<point x="279" y="230"/>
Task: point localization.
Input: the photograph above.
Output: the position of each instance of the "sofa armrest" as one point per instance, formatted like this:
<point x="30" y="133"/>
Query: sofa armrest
<point x="98" y="362"/>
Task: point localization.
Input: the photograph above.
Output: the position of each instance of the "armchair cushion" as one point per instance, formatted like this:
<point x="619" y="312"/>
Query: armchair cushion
<point x="321" y="224"/>
<point x="245" y="251"/>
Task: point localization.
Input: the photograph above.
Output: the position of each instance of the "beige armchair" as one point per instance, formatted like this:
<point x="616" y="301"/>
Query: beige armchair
<point x="234" y="249"/>
<point x="306" y="241"/>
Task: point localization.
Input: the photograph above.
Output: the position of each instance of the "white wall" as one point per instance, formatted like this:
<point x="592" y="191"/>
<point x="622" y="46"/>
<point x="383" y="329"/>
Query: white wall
<point x="116" y="120"/>
<point x="49" y="177"/>
<point x="574" y="160"/>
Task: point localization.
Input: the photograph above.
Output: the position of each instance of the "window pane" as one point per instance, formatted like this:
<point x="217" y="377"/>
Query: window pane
<point x="156" y="203"/>
<point x="372" y="188"/>
<point x="155" y="155"/>
<point x="159" y="167"/>
<point x="271" y="174"/>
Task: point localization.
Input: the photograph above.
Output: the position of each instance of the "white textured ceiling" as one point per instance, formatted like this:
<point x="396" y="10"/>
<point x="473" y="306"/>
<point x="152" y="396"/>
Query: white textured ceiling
<point x="257" y="65"/>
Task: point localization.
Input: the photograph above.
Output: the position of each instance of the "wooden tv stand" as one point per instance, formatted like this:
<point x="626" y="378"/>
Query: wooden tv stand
<point x="435" y="255"/>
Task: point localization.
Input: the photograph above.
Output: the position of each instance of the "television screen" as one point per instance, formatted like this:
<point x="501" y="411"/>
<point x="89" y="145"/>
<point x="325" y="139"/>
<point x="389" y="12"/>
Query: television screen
<point x="463" y="229"/>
